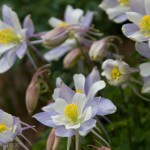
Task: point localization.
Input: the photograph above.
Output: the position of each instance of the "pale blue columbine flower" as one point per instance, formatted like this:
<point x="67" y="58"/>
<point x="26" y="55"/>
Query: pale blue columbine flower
<point x="116" y="72"/>
<point x="10" y="129"/>
<point x="12" y="39"/>
<point x="139" y="29"/>
<point x="75" y="25"/>
<point x="116" y="9"/>
<point x="74" y="111"/>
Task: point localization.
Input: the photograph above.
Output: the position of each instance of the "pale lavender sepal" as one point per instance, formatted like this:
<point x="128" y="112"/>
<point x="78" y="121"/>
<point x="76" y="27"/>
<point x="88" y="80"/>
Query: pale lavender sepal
<point x="93" y="77"/>
<point x="137" y="6"/>
<point x="45" y="118"/>
<point x="106" y="107"/>
<point x="20" y="52"/>
<point x="87" y="20"/>
<point x="120" y="18"/>
<point x="56" y="53"/>
<point x="146" y="86"/>
<point x="29" y="25"/>
<point x="63" y="132"/>
<point x="87" y="126"/>
<point x="143" y="49"/>
<point x="7" y="60"/>
<point x="129" y="29"/>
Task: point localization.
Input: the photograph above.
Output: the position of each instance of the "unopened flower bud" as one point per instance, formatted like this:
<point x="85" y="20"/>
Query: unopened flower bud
<point x="32" y="96"/>
<point x="98" y="50"/>
<point x="50" y="140"/>
<point x="71" y="58"/>
<point x="55" y="37"/>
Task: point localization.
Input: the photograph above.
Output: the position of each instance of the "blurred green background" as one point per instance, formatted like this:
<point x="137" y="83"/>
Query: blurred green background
<point x="130" y="127"/>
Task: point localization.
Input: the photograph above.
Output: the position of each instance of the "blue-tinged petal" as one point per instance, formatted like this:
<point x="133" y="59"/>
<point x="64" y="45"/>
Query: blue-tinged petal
<point x="143" y="49"/>
<point x="129" y="29"/>
<point x="7" y="60"/>
<point x="106" y="107"/>
<point x="29" y="25"/>
<point x="134" y="17"/>
<point x="21" y="50"/>
<point x="95" y="88"/>
<point x="137" y="6"/>
<point x="45" y="118"/>
<point x="93" y="77"/>
<point x="63" y="91"/>
<point x="87" y="126"/>
<point x="62" y="132"/>
<point x="87" y="20"/>
<point x="146" y="86"/>
<point x="145" y="69"/>
<point x="120" y="18"/>
<point x="68" y="12"/>
<point x="56" y="53"/>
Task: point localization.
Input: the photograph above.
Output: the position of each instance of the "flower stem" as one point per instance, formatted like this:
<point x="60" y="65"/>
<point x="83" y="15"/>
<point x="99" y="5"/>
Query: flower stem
<point x="77" y="139"/>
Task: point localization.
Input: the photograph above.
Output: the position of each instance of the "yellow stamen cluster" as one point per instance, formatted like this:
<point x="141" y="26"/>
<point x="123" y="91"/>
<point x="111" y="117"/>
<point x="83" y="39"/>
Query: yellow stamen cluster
<point x="115" y="73"/>
<point x="71" y="111"/>
<point x="63" y="24"/>
<point x="8" y="36"/>
<point x="79" y="91"/>
<point x="144" y="25"/>
<point x="3" y="127"/>
<point x="123" y="2"/>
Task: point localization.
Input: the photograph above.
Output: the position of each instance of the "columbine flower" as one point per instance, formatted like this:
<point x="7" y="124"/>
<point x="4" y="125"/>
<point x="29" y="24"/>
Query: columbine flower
<point x="139" y="30"/>
<point x="74" y="26"/>
<point x="117" y="72"/>
<point x="116" y="9"/>
<point x="12" y="39"/>
<point x="10" y="129"/>
<point x="74" y="111"/>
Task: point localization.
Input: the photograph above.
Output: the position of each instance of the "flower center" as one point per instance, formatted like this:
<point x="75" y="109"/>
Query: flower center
<point x="115" y="73"/>
<point x="71" y="111"/>
<point x="8" y="36"/>
<point x="144" y="25"/>
<point x="63" y="24"/>
<point x="123" y="2"/>
<point x="3" y="127"/>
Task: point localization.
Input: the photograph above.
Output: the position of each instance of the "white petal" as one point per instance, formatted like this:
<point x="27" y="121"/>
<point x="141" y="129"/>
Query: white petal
<point x="54" y="22"/>
<point x="60" y="105"/>
<point x="95" y="88"/>
<point x="134" y="17"/>
<point x="70" y="126"/>
<point x="79" y="81"/>
<point x="58" y="120"/>
<point x="87" y="114"/>
<point x="147" y="6"/>
<point x="80" y="100"/>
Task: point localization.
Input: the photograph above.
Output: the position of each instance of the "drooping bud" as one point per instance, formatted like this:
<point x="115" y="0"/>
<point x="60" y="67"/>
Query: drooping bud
<point x="34" y="88"/>
<point x="32" y="95"/>
<point x="55" y="37"/>
<point x="71" y="58"/>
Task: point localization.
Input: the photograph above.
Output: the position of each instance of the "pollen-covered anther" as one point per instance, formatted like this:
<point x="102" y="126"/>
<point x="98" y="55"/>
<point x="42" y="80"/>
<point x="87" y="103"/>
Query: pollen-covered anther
<point x="123" y="2"/>
<point x="63" y="24"/>
<point x="115" y="73"/>
<point x="3" y="127"/>
<point x="71" y="111"/>
<point x="144" y="25"/>
<point x="8" y="36"/>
